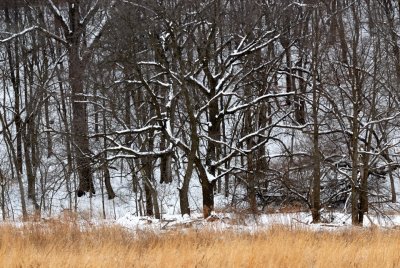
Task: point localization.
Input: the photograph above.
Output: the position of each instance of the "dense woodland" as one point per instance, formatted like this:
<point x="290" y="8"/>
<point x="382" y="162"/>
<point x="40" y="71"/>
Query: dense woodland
<point x="270" y="103"/>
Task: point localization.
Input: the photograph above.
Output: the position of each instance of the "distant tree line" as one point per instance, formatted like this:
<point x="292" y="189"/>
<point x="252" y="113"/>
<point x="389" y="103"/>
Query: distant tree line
<point x="270" y="103"/>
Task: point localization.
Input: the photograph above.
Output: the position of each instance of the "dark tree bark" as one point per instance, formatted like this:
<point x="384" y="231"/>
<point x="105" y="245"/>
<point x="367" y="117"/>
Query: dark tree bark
<point x="316" y="183"/>
<point x="106" y="171"/>
<point x="76" y="74"/>
<point x="149" y="200"/>
<point x="207" y="188"/>
<point x="165" y="164"/>
<point x="79" y="120"/>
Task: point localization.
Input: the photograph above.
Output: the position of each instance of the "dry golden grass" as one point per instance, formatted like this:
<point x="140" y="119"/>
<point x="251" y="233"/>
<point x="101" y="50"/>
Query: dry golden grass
<point x="64" y="245"/>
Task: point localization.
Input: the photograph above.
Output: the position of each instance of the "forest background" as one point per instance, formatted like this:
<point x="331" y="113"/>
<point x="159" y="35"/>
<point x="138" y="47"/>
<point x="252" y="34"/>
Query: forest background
<point x="160" y="104"/>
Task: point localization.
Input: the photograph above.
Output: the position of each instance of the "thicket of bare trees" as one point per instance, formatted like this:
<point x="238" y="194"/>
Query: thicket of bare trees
<point x="270" y="103"/>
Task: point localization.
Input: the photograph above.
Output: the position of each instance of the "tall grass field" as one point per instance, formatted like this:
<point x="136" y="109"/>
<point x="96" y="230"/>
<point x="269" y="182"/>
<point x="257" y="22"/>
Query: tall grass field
<point x="66" y="245"/>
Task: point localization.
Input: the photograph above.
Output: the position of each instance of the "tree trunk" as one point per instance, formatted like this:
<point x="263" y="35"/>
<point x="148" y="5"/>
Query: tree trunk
<point x="76" y="73"/>
<point x="165" y="164"/>
<point x="156" y="206"/>
<point x="184" y="200"/>
<point x="152" y="206"/>
<point x="184" y="190"/>
<point x="106" y="172"/>
<point x="31" y="176"/>
<point x="363" y="203"/>
<point x="208" y="197"/>
<point x="207" y="188"/>
<point x="107" y="182"/>
<point x="48" y="127"/>
<point x="392" y="188"/>
<point x="80" y="122"/>
<point x="67" y="138"/>
<point x="316" y="184"/>
<point x="149" y="200"/>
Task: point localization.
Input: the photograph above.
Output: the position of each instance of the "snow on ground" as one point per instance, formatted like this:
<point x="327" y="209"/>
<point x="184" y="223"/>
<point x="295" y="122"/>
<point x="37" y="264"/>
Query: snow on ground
<point x="251" y="223"/>
<point x="123" y="211"/>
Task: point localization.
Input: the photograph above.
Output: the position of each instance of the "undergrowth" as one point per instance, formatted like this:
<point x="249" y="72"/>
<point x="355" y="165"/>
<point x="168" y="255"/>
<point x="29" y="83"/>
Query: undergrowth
<point x="59" y="244"/>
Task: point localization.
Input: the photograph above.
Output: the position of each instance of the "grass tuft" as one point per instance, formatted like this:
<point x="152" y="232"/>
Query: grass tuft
<point x="58" y="244"/>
